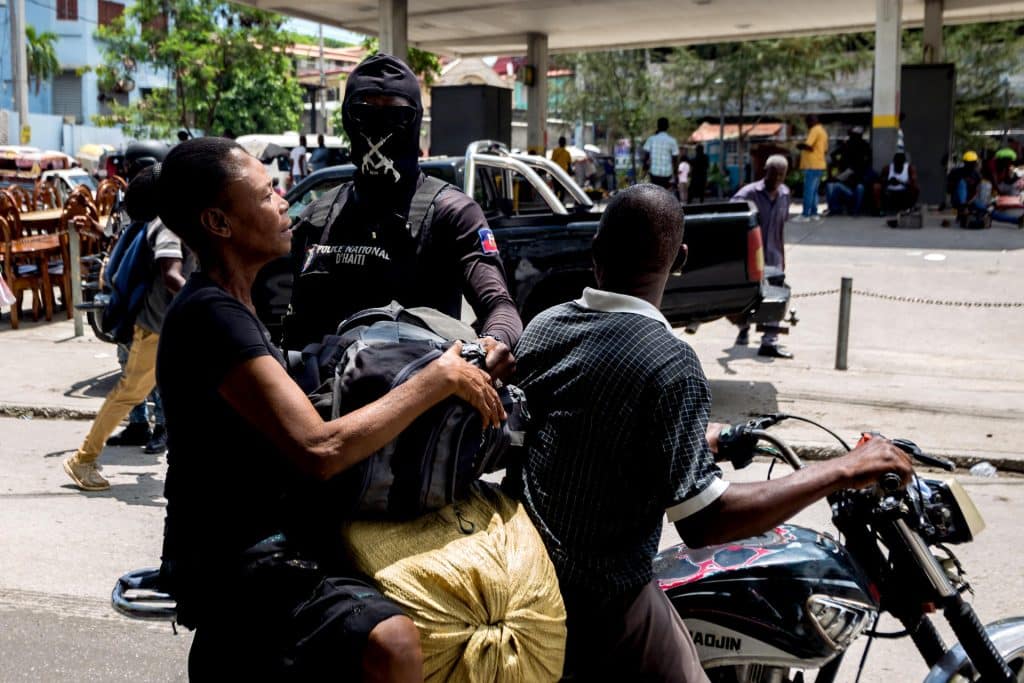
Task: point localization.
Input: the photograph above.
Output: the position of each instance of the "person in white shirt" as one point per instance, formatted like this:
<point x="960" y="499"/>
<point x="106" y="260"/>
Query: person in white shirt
<point x="298" y="157"/>
<point x="683" y="179"/>
<point x="661" y="154"/>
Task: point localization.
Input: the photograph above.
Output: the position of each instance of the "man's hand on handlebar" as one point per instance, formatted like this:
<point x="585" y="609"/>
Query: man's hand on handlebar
<point x="871" y="460"/>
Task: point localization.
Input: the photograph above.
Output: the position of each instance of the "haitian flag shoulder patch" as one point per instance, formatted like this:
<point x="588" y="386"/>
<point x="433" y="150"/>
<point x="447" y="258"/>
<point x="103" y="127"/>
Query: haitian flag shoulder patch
<point x="488" y="244"/>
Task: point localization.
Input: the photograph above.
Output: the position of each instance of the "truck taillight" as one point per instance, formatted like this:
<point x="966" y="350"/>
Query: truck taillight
<point x="755" y="255"/>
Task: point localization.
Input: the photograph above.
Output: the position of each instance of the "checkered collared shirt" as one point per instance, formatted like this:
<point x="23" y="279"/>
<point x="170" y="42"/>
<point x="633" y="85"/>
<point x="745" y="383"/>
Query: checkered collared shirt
<point x="620" y="408"/>
<point x="662" y="147"/>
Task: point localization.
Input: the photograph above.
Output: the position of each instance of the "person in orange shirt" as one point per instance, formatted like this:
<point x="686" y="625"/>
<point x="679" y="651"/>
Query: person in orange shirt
<point x="560" y="155"/>
<point x="812" y="163"/>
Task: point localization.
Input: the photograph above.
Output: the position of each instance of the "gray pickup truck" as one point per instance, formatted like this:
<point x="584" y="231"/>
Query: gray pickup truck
<point x="544" y="224"/>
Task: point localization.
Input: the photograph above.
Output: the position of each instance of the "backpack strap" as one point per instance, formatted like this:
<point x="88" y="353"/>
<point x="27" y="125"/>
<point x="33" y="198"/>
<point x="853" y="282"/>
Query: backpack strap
<point x="322" y="213"/>
<point x="421" y="209"/>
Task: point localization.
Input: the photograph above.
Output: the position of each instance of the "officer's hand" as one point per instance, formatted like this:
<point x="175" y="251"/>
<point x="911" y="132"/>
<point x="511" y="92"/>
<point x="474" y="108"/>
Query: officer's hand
<point x="472" y="385"/>
<point x="870" y="461"/>
<point x="500" y="362"/>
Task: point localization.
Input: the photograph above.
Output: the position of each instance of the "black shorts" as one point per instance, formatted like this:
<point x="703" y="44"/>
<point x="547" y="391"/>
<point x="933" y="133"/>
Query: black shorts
<point x="287" y="619"/>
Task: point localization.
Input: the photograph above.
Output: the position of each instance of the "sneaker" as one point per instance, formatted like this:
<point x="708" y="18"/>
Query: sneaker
<point x="135" y="434"/>
<point x="86" y="475"/>
<point x="743" y="338"/>
<point x="158" y="444"/>
<point x="816" y="217"/>
<point x="773" y="351"/>
<point x="800" y="219"/>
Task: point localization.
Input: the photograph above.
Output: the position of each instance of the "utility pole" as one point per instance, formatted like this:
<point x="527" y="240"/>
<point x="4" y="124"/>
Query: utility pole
<point x="19" y="67"/>
<point x="323" y="85"/>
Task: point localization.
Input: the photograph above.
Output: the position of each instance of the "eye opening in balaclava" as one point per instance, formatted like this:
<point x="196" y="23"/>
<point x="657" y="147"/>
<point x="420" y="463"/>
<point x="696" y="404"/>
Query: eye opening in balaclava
<point x="384" y="138"/>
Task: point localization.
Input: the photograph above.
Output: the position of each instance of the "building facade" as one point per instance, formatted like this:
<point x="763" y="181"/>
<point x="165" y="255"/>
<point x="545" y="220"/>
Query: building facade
<point x="73" y="93"/>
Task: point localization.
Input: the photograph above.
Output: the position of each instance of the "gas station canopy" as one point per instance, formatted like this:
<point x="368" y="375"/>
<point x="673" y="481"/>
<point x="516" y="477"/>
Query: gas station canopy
<point x="497" y="27"/>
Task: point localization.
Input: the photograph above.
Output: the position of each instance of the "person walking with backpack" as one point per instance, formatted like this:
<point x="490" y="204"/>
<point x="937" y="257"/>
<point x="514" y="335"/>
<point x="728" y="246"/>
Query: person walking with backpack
<point x="394" y="234"/>
<point x="139" y="376"/>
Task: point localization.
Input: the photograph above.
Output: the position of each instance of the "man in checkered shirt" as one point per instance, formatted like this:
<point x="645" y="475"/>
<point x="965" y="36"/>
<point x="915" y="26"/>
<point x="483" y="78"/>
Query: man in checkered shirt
<point x="661" y="156"/>
<point x="620" y="438"/>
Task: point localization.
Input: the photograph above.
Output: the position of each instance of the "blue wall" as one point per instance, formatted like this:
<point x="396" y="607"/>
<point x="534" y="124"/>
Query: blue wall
<point x="76" y="50"/>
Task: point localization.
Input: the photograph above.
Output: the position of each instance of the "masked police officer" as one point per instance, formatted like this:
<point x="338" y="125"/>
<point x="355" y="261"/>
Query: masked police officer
<point x="394" y="233"/>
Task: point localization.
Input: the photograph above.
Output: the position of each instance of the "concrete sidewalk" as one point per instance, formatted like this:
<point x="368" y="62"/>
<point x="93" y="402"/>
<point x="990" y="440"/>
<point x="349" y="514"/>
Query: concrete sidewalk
<point x="949" y="377"/>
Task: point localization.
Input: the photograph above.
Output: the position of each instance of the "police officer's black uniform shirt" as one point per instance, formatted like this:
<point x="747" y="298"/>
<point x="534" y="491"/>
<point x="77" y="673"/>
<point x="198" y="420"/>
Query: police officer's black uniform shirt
<point x="371" y="258"/>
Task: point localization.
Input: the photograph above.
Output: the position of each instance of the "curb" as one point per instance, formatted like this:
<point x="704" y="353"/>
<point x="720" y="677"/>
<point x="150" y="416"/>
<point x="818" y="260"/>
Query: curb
<point x="962" y="462"/>
<point x="810" y="453"/>
<point x="46" y="413"/>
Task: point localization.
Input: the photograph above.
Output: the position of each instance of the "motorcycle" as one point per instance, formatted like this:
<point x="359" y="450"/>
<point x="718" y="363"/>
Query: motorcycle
<point x="770" y="608"/>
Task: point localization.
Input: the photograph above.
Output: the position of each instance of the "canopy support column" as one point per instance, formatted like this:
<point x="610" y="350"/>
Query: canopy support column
<point x="537" y="93"/>
<point x="932" y="48"/>
<point x="394" y="28"/>
<point x="885" y="110"/>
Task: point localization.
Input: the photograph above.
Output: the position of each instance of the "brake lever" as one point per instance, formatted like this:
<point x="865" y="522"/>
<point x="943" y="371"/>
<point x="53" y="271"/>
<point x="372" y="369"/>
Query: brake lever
<point x="915" y="452"/>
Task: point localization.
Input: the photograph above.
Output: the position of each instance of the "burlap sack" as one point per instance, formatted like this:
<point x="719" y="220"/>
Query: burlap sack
<point x="476" y="579"/>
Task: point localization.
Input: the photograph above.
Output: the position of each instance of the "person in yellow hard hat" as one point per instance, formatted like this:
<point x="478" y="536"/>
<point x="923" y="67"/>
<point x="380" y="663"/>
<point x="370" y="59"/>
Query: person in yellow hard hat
<point x="964" y="181"/>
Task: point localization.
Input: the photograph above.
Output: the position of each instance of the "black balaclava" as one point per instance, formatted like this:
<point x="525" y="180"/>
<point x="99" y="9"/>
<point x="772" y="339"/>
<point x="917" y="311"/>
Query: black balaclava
<point x="385" y="149"/>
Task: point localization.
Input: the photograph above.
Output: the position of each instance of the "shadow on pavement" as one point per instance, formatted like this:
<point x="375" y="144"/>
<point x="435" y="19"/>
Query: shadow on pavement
<point x="94" y="387"/>
<point x="733" y="353"/>
<point x="129" y="456"/>
<point x="739" y="400"/>
<point x="845" y="231"/>
<point x="147" y="491"/>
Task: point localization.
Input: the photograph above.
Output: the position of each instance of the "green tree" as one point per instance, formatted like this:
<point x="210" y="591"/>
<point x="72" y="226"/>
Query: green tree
<point x="759" y="77"/>
<point x="41" y="59"/>
<point x="612" y="88"/>
<point x="227" y="65"/>
<point x="985" y="55"/>
<point x="424" y="64"/>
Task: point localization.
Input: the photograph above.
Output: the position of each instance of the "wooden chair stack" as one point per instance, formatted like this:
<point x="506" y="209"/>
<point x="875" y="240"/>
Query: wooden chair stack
<point x="106" y="193"/>
<point x="22" y="197"/>
<point x="20" y="275"/>
<point x="45" y="195"/>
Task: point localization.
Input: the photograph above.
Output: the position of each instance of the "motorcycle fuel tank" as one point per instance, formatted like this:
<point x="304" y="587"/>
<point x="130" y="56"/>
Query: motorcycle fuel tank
<point x="791" y="597"/>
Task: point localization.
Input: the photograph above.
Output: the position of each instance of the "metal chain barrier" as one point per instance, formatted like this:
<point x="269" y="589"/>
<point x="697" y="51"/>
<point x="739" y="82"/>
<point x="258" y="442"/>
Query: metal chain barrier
<point x="915" y="299"/>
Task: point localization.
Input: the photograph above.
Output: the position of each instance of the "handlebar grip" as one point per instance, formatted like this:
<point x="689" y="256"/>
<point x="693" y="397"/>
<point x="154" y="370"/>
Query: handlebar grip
<point x="890" y="483"/>
<point x="915" y="452"/>
<point x="736" y="444"/>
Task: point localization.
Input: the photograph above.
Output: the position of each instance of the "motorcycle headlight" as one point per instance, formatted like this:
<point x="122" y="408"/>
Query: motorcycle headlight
<point x="949" y="513"/>
<point x="839" y="621"/>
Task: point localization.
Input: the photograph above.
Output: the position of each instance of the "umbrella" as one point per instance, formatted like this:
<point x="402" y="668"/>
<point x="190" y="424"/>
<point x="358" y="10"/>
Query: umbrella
<point x="272" y="151"/>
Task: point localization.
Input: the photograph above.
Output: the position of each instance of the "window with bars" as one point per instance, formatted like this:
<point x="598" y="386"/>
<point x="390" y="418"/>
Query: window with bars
<point x="107" y="11"/>
<point x="67" y="10"/>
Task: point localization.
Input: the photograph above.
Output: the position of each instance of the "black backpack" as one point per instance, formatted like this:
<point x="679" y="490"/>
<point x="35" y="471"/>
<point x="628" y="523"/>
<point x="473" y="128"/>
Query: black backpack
<point x="127" y="277"/>
<point x="431" y="463"/>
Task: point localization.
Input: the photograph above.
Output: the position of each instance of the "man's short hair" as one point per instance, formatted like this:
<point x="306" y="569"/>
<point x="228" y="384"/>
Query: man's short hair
<point x="640" y="231"/>
<point x="561" y="141"/>
<point x="302" y="140"/>
<point x="662" y="123"/>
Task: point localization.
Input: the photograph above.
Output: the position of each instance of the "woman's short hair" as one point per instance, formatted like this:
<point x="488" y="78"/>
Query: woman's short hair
<point x="193" y="178"/>
<point x="142" y="198"/>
